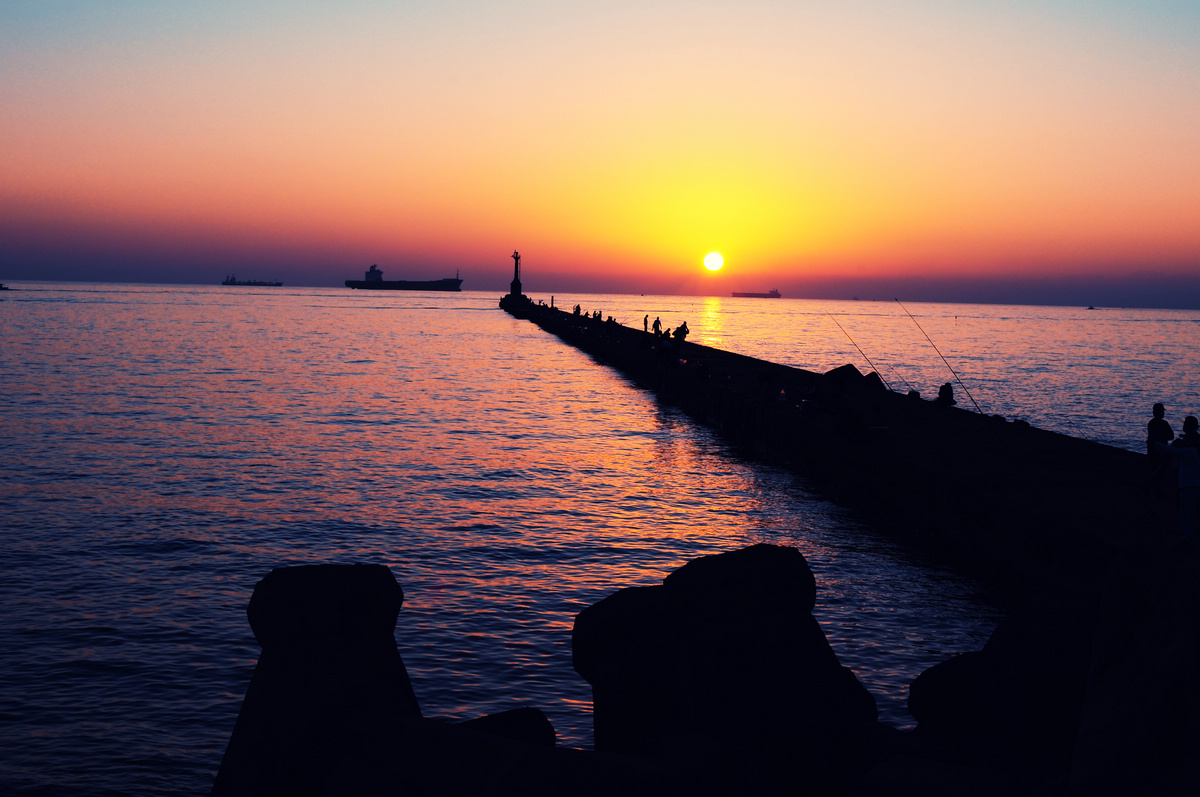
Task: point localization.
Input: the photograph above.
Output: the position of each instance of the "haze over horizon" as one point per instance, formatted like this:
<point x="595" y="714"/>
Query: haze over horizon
<point x="1014" y="152"/>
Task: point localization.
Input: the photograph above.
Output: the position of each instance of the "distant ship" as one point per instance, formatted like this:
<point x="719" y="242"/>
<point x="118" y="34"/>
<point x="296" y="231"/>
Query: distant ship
<point x="373" y="280"/>
<point x="771" y="294"/>
<point x="233" y="280"/>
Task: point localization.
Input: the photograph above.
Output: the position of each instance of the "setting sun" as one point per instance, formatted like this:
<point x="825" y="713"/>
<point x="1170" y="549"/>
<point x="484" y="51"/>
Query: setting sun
<point x="713" y="261"/>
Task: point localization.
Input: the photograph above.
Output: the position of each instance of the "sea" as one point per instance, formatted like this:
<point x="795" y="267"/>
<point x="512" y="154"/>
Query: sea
<point x="163" y="447"/>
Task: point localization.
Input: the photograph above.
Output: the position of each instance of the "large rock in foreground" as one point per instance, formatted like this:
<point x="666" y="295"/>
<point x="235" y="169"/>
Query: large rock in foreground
<point x="725" y="649"/>
<point x="329" y="673"/>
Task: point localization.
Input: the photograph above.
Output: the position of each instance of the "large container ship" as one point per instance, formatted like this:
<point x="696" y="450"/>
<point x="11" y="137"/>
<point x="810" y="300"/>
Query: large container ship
<point x="373" y="280"/>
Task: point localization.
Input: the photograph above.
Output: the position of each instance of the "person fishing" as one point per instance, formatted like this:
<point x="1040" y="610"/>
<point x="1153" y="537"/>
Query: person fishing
<point x="945" y="396"/>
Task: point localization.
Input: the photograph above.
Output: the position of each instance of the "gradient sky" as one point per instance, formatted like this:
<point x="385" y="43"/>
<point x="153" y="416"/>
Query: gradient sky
<point x="1004" y="151"/>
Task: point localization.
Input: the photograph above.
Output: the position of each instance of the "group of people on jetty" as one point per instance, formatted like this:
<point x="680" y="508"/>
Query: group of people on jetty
<point x="1177" y="459"/>
<point x="680" y="332"/>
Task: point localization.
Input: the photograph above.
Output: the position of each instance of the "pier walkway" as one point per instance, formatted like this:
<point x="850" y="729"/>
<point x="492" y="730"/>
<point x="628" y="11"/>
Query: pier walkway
<point x="1016" y="503"/>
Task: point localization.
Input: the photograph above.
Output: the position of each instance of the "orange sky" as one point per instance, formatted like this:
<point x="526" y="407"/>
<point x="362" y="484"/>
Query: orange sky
<point x="613" y="143"/>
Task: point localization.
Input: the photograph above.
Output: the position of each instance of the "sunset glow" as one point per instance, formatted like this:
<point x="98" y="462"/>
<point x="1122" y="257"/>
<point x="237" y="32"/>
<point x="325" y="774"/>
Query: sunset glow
<point x="856" y="148"/>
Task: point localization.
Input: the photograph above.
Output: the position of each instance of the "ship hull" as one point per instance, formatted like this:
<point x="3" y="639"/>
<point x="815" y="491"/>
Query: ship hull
<point x="771" y="295"/>
<point x="448" y="284"/>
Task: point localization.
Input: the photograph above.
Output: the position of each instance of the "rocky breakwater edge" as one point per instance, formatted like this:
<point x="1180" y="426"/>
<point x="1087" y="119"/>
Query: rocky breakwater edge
<point x="720" y="681"/>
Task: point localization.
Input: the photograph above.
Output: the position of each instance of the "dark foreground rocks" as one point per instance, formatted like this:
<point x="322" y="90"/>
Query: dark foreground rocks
<point x="1082" y="694"/>
<point x="719" y="681"/>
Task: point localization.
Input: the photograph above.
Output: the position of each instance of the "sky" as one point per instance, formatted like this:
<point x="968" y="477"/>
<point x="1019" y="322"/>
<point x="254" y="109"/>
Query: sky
<point x="1033" y="152"/>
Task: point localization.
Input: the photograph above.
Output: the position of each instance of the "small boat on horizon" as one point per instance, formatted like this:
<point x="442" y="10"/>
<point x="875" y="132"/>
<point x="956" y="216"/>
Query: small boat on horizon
<point x="771" y="294"/>
<point x="233" y="280"/>
<point x="373" y="280"/>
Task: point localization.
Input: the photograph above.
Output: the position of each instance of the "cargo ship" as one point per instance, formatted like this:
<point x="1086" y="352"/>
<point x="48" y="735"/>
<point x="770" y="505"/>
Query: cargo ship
<point x="373" y="280"/>
<point x="233" y="280"/>
<point x="771" y="294"/>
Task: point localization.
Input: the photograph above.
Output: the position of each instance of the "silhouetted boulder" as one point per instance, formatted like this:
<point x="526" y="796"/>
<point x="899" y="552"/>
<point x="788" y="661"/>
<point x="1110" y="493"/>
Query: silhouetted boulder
<point x="1019" y="699"/>
<point x="1140" y="731"/>
<point x="725" y="648"/>
<point x="329" y="676"/>
<point x="844" y="378"/>
<point x="525" y="724"/>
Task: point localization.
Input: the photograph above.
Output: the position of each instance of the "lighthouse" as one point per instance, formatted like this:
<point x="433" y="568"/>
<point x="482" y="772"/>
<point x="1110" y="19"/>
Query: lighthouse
<point x="515" y="288"/>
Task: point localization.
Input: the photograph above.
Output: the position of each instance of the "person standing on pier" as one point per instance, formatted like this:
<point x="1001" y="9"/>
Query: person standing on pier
<point x="1158" y="430"/>
<point x="646" y="323"/>
<point x="1185" y="453"/>
<point x="657" y="326"/>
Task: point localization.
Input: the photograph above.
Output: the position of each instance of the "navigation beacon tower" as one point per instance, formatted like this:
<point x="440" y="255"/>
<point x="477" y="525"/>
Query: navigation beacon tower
<point x="515" y="289"/>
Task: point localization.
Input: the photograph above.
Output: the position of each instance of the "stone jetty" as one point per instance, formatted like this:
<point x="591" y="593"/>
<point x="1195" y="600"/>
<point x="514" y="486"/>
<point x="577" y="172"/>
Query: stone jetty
<point x="1015" y="503"/>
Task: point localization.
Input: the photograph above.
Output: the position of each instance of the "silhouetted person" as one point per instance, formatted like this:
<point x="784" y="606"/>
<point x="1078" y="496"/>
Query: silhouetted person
<point x="946" y="396"/>
<point x="646" y="323"/>
<point x="1185" y="453"/>
<point x="1191" y="436"/>
<point x="681" y="332"/>
<point x="1158" y="430"/>
<point x="578" y="310"/>
<point x="657" y="327"/>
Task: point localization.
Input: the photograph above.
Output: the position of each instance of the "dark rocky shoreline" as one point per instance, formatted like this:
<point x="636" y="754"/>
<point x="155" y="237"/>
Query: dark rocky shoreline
<point x="719" y="681"/>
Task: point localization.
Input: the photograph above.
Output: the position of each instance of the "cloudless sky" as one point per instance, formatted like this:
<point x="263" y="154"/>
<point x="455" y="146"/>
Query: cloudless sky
<point x="1006" y="151"/>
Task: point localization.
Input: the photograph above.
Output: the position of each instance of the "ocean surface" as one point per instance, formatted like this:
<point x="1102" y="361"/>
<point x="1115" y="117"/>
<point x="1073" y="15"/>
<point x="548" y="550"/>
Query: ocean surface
<point x="164" y="447"/>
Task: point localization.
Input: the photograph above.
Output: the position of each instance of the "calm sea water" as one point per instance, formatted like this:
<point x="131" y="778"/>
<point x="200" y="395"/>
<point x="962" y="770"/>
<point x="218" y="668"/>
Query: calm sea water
<point x="164" y="447"/>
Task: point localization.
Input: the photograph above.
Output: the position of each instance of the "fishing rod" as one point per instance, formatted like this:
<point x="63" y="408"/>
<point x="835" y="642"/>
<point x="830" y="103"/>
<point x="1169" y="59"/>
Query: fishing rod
<point x="948" y="365"/>
<point x="860" y="351"/>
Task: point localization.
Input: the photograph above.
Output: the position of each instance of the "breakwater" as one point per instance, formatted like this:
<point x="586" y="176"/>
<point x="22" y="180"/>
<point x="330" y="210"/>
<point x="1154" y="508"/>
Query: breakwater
<point x="1020" y="504"/>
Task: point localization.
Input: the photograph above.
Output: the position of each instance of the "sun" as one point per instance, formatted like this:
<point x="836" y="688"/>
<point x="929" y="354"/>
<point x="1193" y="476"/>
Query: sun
<point x="713" y="261"/>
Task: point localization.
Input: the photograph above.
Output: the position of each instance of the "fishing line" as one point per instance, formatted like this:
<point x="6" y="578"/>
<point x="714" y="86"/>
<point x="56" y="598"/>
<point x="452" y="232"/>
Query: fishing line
<point x="899" y="376"/>
<point x="948" y="365"/>
<point x="860" y="351"/>
<point x="1076" y="428"/>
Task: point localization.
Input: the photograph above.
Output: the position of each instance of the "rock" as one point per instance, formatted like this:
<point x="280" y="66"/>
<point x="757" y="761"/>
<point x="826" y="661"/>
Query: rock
<point x="1140" y="728"/>
<point x="1017" y="700"/>
<point x="329" y="675"/>
<point x="519" y="724"/>
<point x="725" y="648"/>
